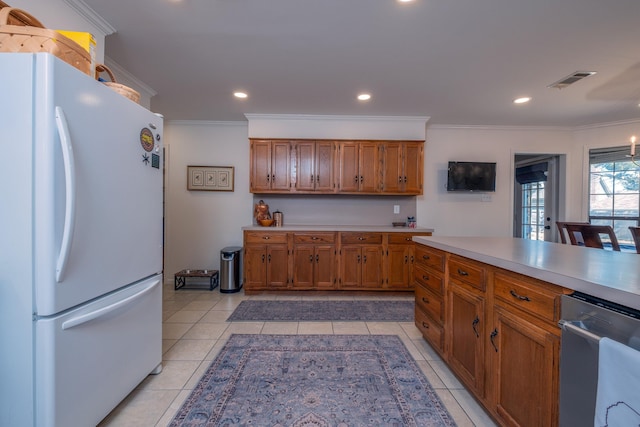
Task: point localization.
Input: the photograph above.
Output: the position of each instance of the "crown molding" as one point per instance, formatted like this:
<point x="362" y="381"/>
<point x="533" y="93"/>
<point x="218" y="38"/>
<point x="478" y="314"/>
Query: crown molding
<point x="120" y="71"/>
<point x="422" y="119"/>
<point x="502" y="128"/>
<point x="206" y="123"/>
<point x="91" y="16"/>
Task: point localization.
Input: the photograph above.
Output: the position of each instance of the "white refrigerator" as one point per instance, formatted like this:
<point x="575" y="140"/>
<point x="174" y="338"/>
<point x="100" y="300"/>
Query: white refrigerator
<point x="81" y="213"/>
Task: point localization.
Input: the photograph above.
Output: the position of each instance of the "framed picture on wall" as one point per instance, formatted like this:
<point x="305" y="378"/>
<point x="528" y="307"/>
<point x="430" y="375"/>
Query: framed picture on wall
<point x="210" y="178"/>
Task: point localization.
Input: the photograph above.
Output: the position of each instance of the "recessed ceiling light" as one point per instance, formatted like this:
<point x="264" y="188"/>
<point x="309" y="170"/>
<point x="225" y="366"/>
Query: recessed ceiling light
<point x="405" y="1"/>
<point x="240" y="95"/>
<point x="522" y="100"/>
<point x="364" y="97"/>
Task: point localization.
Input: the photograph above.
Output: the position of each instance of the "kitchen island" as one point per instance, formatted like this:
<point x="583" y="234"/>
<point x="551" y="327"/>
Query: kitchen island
<point x="490" y="306"/>
<point x="329" y="257"/>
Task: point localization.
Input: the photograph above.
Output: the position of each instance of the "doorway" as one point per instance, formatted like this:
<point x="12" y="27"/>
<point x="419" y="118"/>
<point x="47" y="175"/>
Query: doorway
<point x="536" y="207"/>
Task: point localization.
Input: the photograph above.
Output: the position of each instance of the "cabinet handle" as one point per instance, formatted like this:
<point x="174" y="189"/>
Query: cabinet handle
<point x="310" y="258"/>
<point x="361" y="238"/>
<point x="269" y="258"/>
<point x="317" y="178"/>
<point x="406" y="259"/>
<point x="425" y="300"/>
<point x="268" y="178"/>
<point x="426" y="257"/>
<point x="361" y="179"/>
<point x="462" y="272"/>
<point x="273" y="178"/>
<point x="314" y="238"/>
<point x="400" y="180"/>
<point x="408" y="239"/>
<point x="425" y="325"/>
<point x="411" y="259"/>
<point x="266" y="237"/>
<point x="405" y="179"/>
<point x="474" y="325"/>
<point x="263" y="258"/>
<point x="520" y="297"/>
<point x="425" y="278"/>
<point x="492" y="336"/>
<point x="365" y="259"/>
<point x="356" y="179"/>
<point x="312" y="177"/>
<point x="317" y="259"/>
<point x="358" y="259"/>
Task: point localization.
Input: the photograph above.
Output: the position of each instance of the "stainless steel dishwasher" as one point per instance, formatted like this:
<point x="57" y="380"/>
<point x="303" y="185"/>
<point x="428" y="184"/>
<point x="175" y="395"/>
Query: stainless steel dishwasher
<point x="586" y="319"/>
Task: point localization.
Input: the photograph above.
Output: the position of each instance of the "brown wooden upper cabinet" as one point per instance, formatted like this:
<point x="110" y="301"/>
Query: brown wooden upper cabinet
<point x="326" y="166"/>
<point x="402" y="167"/>
<point x="314" y="162"/>
<point x="270" y="166"/>
<point x="358" y="167"/>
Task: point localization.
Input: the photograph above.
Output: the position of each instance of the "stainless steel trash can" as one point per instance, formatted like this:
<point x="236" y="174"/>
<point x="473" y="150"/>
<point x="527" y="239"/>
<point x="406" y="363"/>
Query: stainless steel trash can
<point x="231" y="269"/>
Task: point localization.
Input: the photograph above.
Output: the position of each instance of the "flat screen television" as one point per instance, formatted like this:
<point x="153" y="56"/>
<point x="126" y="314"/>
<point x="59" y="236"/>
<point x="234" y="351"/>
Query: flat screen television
<point x="471" y="176"/>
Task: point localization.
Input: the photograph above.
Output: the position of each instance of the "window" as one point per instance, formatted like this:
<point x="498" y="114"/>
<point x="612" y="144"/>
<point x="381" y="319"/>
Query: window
<point x="614" y="191"/>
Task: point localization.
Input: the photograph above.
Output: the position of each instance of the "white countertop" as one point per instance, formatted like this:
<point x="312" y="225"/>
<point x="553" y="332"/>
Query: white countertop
<point x="362" y="228"/>
<point x="613" y="276"/>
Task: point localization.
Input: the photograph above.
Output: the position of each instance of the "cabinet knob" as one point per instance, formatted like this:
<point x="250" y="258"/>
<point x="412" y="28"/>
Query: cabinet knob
<point x="425" y="278"/>
<point x="425" y="300"/>
<point x="425" y="325"/>
<point x="426" y="257"/>
<point x="266" y="237"/>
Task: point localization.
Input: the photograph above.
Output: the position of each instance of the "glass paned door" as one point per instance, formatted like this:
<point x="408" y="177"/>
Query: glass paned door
<point x="533" y="210"/>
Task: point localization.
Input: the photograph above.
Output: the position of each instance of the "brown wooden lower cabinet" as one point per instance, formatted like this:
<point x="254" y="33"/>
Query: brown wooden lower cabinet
<point x="501" y="337"/>
<point x="328" y="260"/>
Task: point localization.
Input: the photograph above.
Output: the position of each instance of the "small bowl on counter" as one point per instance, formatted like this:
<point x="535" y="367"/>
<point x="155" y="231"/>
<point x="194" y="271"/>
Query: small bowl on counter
<point x="265" y="222"/>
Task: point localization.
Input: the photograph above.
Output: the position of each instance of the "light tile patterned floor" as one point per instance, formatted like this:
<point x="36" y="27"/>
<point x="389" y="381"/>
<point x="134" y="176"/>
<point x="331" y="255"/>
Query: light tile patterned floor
<point x="195" y="329"/>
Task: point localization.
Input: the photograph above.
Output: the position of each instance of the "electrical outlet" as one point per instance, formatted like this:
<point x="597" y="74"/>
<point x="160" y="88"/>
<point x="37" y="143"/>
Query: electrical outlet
<point x="486" y="197"/>
<point x="396" y="209"/>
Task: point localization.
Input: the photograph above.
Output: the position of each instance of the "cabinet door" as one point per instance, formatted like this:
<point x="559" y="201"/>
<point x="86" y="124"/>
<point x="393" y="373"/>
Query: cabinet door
<point x="348" y="173"/>
<point x="277" y="266"/>
<point x="413" y="166"/>
<point x="255" y="267"/>
<point x="325" y="266"/>
<point x="371" y="267"/>
<point x="303" y="266"/>
<point x="351" y="266"/>
<point x="305" y="165"/>
<point x="526" y="371"/>
<point x="398" y="266"/>
<point x="392" y="173"/>
<point x="325" y="154"/>
<point x="466" y="337"/>
<point x="280" y="165"/>
<point x="368" y="167"/>
<point x="260" y="165"/>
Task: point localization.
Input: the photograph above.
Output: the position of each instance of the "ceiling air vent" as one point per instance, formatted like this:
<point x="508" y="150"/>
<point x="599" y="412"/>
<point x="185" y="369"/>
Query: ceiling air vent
<point x="571" y="79"/>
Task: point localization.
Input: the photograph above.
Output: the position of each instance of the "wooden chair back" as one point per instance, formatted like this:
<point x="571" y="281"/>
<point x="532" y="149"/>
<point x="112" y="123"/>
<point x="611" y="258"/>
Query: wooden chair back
<point x="591" y="235"/>
<point x="562" y="228"/>
<point x="635" y="233"/>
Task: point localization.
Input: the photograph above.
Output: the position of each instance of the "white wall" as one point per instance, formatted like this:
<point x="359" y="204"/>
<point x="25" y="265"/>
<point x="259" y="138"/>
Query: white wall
<point x="466" y="214"/>
<point x="198" y="224"/>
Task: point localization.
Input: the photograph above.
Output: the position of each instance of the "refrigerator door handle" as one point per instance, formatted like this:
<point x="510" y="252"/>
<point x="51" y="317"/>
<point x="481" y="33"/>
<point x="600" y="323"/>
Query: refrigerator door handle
<point x="77" y="321"/>
<point x="70" y="189"/>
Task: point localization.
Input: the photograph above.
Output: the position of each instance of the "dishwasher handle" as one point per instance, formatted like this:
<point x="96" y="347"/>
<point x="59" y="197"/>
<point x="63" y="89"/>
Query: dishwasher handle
<point x="567" y="326"/>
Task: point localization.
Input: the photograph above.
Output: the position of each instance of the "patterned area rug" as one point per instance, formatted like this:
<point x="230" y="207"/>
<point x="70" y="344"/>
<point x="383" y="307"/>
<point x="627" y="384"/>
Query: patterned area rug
<point x="313" y="380"/>
<point x="256" y="310"/>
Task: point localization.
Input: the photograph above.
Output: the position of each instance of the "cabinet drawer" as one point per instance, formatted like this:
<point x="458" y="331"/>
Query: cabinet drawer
<point x="265" y="237"/>
<point x="535" y="298"/>
<point x="429" y="279"/>
<point x="467" y="271"/>
<point x="430" y="329"/>
<point x="430" y="303"/>
<point x="314" y="237"/>
<point x="400" y="238"/>
<point x="430" y="257"/>
<point x="361" y="238"/>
